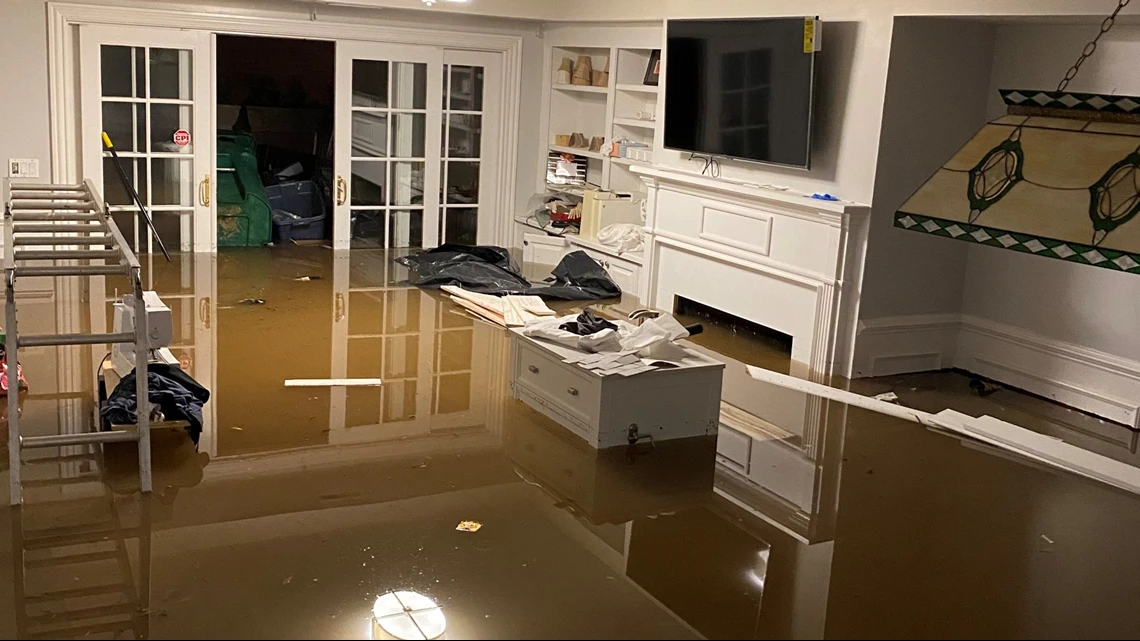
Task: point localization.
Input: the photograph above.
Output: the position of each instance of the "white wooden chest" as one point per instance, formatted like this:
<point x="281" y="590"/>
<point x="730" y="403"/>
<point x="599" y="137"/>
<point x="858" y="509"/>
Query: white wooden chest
<point x="606" y="411"/>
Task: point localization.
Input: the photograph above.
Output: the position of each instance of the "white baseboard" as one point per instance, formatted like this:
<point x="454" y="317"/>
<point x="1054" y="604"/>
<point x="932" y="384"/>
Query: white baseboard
<point x="1087" y="379"/>
<point x="901" y="344"/>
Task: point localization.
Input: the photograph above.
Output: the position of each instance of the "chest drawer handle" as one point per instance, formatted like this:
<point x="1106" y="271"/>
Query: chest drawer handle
<point x="571" y="391"/>
<point x="532" y="368"/>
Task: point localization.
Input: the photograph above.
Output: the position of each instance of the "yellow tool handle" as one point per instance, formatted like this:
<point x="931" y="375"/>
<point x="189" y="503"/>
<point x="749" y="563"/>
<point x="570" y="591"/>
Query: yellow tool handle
<point x="107" y="141"/>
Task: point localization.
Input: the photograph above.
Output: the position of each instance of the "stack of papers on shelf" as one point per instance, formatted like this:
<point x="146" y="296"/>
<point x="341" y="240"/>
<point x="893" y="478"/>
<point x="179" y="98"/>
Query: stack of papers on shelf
<point x="506" y="311"/>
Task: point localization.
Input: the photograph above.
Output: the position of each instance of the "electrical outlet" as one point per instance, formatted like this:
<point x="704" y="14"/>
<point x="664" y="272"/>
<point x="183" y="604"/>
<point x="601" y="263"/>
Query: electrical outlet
<point x="23" y="168"/>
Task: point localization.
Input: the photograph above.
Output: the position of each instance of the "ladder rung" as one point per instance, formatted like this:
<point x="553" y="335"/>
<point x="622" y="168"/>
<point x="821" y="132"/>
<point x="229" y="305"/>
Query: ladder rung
<point x="83" y="631"/>
<point x="71" y="217"/>
<point x="82" y="538"/>
<point x="65" y="254"/>
<point x="97" y="612"/>
<point x="65" y="240"/>
<point x="63" y="530"/>
<point x="71" y="270"/>
<point x="68" y="559"/>
<point x="45" y="203"/>
<point x="48" y="194"/>
<point x="66" y="480"/>
<point x="52" y="340"/>
<point x="48" y="187"/>
<point x="56" y="460"/>
<point x="56" y="228"/>
<point x="60" y="595"/>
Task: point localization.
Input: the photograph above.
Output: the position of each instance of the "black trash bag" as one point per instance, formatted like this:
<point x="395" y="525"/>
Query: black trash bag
<point x="587" y="323"/>
<point x="491" y="270"/>
<point x="178" y="395"/>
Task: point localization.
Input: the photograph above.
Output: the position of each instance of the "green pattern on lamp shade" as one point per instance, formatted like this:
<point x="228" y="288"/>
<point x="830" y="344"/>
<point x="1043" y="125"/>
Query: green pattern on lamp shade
<point x="1027" y="244"/>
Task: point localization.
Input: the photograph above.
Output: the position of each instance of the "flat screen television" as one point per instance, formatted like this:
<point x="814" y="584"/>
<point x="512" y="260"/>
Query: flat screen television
<point x="740" y="88"/>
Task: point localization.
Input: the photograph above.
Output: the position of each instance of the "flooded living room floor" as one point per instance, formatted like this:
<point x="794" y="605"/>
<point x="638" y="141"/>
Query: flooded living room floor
<point x="300" y="506"/>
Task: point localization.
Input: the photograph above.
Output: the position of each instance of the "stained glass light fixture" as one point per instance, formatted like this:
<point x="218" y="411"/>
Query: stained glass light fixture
<point x="1058" y="175"/>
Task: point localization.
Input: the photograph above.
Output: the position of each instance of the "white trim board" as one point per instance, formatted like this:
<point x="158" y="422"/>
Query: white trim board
<point x="1087" y="379"/>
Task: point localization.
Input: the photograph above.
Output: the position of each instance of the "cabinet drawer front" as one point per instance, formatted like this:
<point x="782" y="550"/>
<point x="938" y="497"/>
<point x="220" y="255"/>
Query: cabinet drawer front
<point x="561" y="384"/>
<point x="734" y="447"/>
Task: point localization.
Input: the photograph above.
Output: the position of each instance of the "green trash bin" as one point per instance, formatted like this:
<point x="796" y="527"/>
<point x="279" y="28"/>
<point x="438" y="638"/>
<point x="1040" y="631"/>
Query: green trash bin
<point x="244" y="216"/>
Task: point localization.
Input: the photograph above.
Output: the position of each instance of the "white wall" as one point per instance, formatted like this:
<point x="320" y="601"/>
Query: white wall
<point x="1079" y="304"/>
<point x="24" y="83"/>
<point x="935" y="102"/>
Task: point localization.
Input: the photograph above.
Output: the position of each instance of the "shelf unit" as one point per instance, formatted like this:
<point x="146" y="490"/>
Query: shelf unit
<point x="611" y="111"/>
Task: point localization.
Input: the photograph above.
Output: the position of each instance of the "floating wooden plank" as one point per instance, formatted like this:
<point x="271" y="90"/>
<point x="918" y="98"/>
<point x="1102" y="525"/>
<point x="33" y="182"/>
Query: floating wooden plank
<point x="333" y="382"/>
<point x="1008" y="437"/>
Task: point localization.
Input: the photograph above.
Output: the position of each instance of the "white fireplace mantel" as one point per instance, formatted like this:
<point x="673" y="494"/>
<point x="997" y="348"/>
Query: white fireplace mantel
<point x="778" y="258"/>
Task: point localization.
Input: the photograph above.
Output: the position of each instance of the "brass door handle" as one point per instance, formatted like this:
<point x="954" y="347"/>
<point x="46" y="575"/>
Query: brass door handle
<point x="532" y="368"/>
<point x="341" y="191"/>
<point x="204" y="191"/>
<point x="571" y="391"/>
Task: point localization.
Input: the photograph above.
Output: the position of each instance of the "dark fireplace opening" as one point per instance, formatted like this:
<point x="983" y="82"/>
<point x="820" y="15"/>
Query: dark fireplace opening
<point x="722" y="327"/>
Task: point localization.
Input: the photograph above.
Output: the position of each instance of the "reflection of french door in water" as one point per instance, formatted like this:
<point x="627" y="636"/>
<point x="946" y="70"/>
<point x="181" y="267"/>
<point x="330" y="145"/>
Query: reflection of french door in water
<point x="149" y="90"/>
<point x="415" y="155"/>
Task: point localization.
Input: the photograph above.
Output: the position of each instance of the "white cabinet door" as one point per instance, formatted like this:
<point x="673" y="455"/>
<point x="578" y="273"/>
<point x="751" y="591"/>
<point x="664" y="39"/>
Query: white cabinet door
<point x="623" y="272"/>
<point x="540" y="249"/>
<point x="150" y="91"/>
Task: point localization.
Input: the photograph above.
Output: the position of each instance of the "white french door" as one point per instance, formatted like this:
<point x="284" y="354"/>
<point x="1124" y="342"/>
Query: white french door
<point x="150" y="91"/>
<point x="415" y="161"/>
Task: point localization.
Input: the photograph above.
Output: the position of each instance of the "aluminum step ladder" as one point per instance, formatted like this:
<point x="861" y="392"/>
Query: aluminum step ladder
<point x="70" y="227"/>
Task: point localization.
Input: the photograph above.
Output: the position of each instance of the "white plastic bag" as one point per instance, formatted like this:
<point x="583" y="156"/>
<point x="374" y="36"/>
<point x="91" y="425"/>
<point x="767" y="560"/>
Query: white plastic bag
<point x="623" y="237"/>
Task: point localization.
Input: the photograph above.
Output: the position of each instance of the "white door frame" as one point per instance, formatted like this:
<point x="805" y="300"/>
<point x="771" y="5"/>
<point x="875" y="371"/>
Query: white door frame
<point x="63" y="45"/>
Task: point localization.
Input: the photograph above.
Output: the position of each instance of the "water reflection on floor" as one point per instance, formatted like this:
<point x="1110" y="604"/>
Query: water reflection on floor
<point x="301" y="506"/>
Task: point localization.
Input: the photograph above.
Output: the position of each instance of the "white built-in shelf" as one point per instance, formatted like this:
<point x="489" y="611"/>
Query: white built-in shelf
<point x="572" y="190"/>
<point x="592" y="243"/>
<point x="636" y="122"/>
<point x="580" y="88"/>
<point x="638" y="88"/>
<point x="577" y="152"/>
<point x="629" y="161"/>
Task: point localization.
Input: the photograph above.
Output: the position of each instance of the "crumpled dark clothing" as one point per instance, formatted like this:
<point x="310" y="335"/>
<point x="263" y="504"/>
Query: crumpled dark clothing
<point x="587" y="323"/>
<point x="491" y="270"/>
<point x="180" y="397"/>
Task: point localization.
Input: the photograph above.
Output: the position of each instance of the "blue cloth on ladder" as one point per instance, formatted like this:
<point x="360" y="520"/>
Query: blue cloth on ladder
<point x="180" y="397"/>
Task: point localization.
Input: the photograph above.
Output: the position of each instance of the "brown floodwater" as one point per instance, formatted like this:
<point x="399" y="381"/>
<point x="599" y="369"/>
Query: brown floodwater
<point x="300" y="506"/>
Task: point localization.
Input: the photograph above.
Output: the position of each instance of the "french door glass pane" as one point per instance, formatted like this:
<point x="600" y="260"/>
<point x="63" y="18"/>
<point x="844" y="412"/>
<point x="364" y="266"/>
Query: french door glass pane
<point x="369" y="134"/>
<point x="171" y="74"/>
<point x="125" y="123"/>
<point x="408" y="134"/>
<point x="406" y="228"/>
<point x="409" y="85"/>
<point x="464" y="135"/>
<point x="123" y="71"/>
<point x="165" y="120"/>
<point x="462" y="183"/>
<point x="407" y="184"/>
<point x="466" y="88"/>
<point x="171" y="182"/>
<point x="369" y="182"/>
<point x="174" y="228"/>
<point x="369" y="83"/>
<point x="461" y="225"/>
<point x="114" y="192"/>
<point x="369" y="227"/>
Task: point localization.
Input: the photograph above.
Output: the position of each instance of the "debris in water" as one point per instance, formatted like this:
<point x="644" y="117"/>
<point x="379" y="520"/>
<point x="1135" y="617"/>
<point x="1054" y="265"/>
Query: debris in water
<point x="305" y="279"/>
<point x="468" y="526"/>
<point x="983" y="387"/>
<point x="420" y="466"/>
<point x="288" y="580"/>
<point x="888" y="397"/>
<point x="236" y="428"/>
<point x="252" y="301"/>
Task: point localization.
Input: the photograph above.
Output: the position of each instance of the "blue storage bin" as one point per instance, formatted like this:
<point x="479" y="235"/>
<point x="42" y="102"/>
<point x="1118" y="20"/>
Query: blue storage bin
<point x="298" y="211"/>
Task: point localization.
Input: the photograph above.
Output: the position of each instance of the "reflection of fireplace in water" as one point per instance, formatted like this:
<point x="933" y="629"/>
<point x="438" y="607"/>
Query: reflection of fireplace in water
<point x="690" y="311"/>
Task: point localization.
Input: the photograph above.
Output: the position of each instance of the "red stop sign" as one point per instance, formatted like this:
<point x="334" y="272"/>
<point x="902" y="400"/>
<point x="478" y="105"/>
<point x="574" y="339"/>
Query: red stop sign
<point x="182" y="137"/>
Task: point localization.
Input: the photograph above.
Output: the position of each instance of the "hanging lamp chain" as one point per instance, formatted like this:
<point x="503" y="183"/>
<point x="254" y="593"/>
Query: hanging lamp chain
<point x="1090" y="48"/>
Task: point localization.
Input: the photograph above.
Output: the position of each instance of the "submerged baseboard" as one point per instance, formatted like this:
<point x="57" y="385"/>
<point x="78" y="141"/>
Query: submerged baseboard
<point x="1097" y="382"/>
